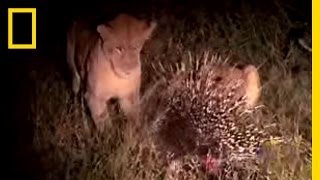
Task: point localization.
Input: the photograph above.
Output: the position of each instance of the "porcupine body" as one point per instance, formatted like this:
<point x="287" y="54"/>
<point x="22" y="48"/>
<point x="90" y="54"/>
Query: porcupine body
<point x="202" y="111"/>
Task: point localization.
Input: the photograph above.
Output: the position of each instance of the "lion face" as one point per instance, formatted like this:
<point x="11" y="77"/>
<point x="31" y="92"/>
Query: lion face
<point x="247" y="77"/>
<point x="122" y="41"/>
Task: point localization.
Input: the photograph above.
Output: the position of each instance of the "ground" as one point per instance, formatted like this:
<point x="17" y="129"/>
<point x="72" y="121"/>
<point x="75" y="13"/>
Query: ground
<point x="54" y="145"/>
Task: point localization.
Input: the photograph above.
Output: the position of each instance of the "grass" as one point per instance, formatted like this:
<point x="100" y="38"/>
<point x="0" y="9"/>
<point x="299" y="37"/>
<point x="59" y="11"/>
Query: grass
<point x="248" y="35"/>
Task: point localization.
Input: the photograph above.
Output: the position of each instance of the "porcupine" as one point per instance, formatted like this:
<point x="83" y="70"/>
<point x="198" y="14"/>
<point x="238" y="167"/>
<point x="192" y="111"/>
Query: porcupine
<point x="201" y="110"/>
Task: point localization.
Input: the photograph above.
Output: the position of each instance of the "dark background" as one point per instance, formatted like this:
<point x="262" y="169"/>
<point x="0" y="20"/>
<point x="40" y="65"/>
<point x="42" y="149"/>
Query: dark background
<point x="22" y="28"/>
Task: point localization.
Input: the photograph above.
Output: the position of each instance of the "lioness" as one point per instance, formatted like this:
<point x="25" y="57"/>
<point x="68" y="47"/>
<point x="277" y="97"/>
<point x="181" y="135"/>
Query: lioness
<point x="106" y="60"/>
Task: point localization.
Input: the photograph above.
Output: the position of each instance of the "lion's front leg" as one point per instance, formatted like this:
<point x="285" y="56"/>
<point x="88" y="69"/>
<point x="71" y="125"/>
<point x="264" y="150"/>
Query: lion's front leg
<point x="130" y="105"/>
<point x="98" y="110"/>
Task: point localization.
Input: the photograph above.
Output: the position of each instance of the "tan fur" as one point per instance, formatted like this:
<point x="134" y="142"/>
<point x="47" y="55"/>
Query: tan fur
<point x="106" y="60"/>
<point x="253" y="85"/>
<point x="248" y="75"/>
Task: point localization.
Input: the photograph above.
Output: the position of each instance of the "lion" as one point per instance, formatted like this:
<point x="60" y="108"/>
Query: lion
<point x="105" y="61"/>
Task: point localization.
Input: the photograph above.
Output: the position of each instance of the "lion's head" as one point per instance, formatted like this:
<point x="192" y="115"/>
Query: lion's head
<point x="122" y="41"/>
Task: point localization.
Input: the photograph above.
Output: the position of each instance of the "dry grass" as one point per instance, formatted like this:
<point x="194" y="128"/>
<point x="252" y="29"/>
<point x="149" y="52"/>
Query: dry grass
<point x="249" y="36"/>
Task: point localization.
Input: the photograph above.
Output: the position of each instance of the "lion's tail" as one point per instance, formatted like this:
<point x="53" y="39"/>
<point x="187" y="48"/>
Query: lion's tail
<point x="71" y="59"/>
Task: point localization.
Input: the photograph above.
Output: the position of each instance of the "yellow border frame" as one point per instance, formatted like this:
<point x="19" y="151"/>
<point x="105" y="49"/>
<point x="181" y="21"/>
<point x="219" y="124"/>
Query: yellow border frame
<point x="10" y="27"/>
<point x="315" y="90"/>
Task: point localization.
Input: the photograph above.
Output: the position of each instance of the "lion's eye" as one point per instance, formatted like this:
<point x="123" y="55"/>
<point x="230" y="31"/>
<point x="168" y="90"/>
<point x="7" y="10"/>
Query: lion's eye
<point x="135" y="48"/>
<point x="119" y="50"/>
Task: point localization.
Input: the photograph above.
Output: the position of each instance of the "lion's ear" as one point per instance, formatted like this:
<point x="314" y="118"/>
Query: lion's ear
<point x="253" y="86"/>
<point x="104" y="30"/>
<point x="148" y="29"/>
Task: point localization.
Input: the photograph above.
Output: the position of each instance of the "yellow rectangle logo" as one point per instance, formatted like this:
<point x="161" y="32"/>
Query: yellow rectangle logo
<point x="10" y="28"/>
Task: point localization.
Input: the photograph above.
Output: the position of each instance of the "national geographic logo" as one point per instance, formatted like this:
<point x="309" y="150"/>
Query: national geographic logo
<point x="21" y="28"/>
